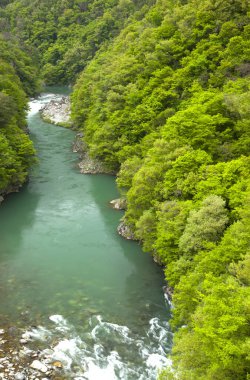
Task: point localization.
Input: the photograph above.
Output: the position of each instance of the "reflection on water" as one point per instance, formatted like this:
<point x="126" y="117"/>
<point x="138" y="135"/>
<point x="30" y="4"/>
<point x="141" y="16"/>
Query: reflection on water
<point x="60" y="255"/>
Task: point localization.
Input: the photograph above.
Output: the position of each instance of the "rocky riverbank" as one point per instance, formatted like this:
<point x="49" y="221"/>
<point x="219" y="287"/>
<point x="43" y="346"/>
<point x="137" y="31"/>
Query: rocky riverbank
<point x="58" y="112"/>
<point x="118" y="204"/>
<point x="9" y="190"/>
<point x="87" y="164"/>
<point x="125" y="231"/>
<point x="20" y="361"/>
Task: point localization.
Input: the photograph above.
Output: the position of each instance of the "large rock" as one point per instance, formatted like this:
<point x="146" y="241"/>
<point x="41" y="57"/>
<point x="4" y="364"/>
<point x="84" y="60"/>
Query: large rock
<point x="118" y="204"/>
<point x="57" y="111"/>
<point x="39" y="366"/>
<point x="125" y="231"/>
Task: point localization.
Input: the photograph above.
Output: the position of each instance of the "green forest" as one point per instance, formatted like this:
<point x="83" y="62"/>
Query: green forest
<point x="17" y="81"/>
<point x="161" y="94"/>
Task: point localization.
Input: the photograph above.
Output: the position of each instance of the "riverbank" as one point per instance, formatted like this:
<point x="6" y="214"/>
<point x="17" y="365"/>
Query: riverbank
<point x="58" y="112"/>
<point x="60" y="272"/>
<point x="18" y="361"/>
<point x="87" y="164"/>
<point x="57" y="353"/>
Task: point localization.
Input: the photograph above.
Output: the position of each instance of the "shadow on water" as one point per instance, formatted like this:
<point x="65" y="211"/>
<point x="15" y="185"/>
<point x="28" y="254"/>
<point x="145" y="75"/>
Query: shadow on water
<point x="143" y="287"/>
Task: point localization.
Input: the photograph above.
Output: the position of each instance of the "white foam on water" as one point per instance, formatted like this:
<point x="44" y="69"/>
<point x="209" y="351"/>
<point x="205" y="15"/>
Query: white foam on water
<point x="34" y="107"/>
<point x="98" y="350"/>
<point x="61" y="323"/>
<point x="108" y="372"/>
<point x="58" y="319"/>
<point x="157" y="361"/>
<point x="107" y="351"/>
<point x="66" y="351"/>
<point x="158" y="330"/>
<point x="168" y="300"/>
<point x="94" y="372"/>
<point x="117" y="331"/>
<point x="36" y="104"/>
<point x="37" y="333"/>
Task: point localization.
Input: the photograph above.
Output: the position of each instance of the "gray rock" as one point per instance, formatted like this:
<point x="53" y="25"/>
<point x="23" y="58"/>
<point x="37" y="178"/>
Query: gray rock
<point x="57" y="111"/>
<point x="23" y="341"/>
<point x="36" y="364"/>
<point x="118" y="204"/>
<point x="25" y="352"/>
<point x="125" y="231"/>
<point x="47" y="352"/>
<point x="20" y="376"/>
<point x="13" y="331"/>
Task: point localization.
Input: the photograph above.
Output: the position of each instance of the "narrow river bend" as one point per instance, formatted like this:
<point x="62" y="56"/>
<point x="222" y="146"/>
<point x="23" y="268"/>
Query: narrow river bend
<point x="69" y="279"/>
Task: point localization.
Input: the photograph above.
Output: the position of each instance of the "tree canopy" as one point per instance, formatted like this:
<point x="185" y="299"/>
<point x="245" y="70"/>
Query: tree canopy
<point x="18" y="79"/>
<point x="161" y="95"/>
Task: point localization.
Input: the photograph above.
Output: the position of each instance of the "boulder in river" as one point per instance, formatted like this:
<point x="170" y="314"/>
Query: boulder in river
<point x="36" y="364"/>
<point x="57" y="112"/>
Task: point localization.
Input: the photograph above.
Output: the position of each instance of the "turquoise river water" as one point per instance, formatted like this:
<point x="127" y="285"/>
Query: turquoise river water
<point x="92" y="296"/>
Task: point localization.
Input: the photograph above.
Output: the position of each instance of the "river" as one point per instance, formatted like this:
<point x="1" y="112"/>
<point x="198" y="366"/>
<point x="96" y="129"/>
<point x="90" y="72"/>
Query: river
<point x="68" y="278"/>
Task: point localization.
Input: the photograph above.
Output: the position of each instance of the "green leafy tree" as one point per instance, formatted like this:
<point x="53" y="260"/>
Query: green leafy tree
<point x="204" y="227"/>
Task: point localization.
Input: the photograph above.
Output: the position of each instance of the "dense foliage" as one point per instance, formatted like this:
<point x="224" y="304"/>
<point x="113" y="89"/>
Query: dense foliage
<point x="68" y="33"/>
<point x="18" y="79"/>
<point x="163" y="98"/>
<point x="168" y="106"/>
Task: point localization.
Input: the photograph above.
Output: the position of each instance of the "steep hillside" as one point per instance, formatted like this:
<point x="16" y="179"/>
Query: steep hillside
<point x="17" y="81"/>
<point x="162" y="96"/>
<point x="67" y="34"/>
<point x="167" y="105"/>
